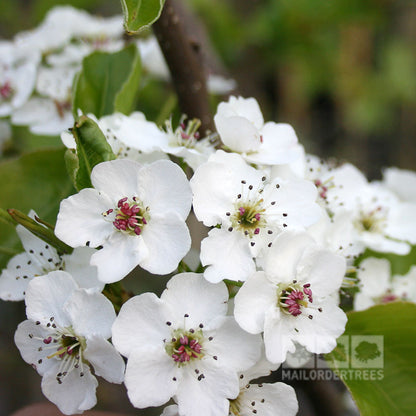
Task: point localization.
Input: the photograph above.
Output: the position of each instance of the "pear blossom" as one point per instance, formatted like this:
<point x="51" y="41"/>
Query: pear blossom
<point x="135" y="212"/>
<point x="377" y="285"/>
<point x="292" y="300"/>
<point x="66" y="333"/>
<point x="247" y="211"/>
<point x="50" y="113"/>
<point x="362" y="214"/>
<point x="183" y="345"/>
<point x="39" y="259"/>
<point x="264" y="399"/>
<point x="17" y="82"/>
<point x="241" y="127"/>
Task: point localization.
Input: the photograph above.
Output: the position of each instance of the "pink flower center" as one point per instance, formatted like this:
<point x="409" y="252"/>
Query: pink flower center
<point x="130" y="216"/>
<point x="185" y="346"/>
<point x="6" y="90"/>
<point x="187" y="349"/>
<point x="294" y="298"/>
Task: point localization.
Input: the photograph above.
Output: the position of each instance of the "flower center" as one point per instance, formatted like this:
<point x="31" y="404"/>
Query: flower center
<point x="373" y="221"/>
<point x="248" y="215"/>
<point x="323" y="187"/>
<point x="293" y="298"/>
<point x="130" y="216"/>
<point x="65" y="346"/>
<point x="235" y="406"/>
<point x="6" y="91"/>
<point x="186" y="134"/>
<point x="185" y="346"/>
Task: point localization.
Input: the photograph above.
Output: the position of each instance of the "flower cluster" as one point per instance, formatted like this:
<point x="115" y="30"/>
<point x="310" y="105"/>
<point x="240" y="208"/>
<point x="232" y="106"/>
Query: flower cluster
<point x="38" y="67"/>
<point x="286" y="234"/>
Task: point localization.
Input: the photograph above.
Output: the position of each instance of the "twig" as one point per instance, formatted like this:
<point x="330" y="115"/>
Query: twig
<point x="185" y="64"/>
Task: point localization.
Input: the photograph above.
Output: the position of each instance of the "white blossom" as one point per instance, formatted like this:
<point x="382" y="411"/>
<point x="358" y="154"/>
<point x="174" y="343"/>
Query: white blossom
<point x="40" y="258"/>
<point x="136" y="213"/>
<point x="66" y="332"/>
<point x="184" y="346"/>
<point x="241" y="127"/>
<point x="377" y="284"/>
<point x="292" y="299"/>
<point x="247" y="211"/>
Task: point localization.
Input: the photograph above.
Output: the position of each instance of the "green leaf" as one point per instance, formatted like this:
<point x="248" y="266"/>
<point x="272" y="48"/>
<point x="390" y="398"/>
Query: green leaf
<point x="92" y="148"/>
<point x="40" y="229"/>
<point x="36" y="180"/>
<point x="107" y="82"/>
<point x="380" y="343"/>
<point x="140" y="14"/>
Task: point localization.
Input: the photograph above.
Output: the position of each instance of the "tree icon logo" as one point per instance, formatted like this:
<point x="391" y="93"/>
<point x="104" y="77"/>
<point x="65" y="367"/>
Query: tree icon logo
<point x="367" y="351"/>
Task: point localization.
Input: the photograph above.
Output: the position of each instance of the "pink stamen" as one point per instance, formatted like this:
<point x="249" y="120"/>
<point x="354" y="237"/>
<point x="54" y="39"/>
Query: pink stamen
<point x="294" y="299"/>
<point x="257" y="217"/>
<point x="6" y="90"/>
<point x="186" y="350"/>
<point x="257" y="231"/>
<point x="128" y="216"/>
<point x="242" y="210"/>
<point x="47" y="340"/>
<point x="388" y="298"/>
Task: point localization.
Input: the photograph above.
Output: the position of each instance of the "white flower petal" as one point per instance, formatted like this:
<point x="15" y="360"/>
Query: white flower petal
<point x="164" y="187"/>
<point x="323" y="270"/>
<point x="278" y="335"/>
<point x="80" y="219"/>
<point x="206" y="396"/>
<point x="374" y="275"/>
<point x="277" y="399"/>
<point x="119" y="256"/>
<point x="75" y="394"/>
<point x="238" y="133"/>
<point x="29" y="340"/>
<point x="78" y="266"/>
<point x="319" y="334"/>
<point x="253" y="300"/>
<point x="228" y="256"/>
<point x="107" y="362"/>
<point x="15" y="278"/>
<point x="167" y="241"/>
<point x="282" y="258"/>
<point x="46" y="295"/>
<point x="90" y="313"/>
<point x="117" y="178"/>
<point x="141" y="324"/>
<point x="151" y="378"/>
<point x="233" y="347"/>
<point x="191" y="294"/>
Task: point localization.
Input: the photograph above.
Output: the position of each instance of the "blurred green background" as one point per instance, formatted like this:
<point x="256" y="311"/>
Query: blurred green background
<point x="342" y="72"/>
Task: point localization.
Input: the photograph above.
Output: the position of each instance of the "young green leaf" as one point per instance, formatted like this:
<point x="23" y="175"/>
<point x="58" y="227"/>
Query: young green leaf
<point x="107" y="82"/>
<point x="376" y="359"/>
<point x="140" y="14"/>
<point x="92" y="148"/>
<point x="38" y="228"/>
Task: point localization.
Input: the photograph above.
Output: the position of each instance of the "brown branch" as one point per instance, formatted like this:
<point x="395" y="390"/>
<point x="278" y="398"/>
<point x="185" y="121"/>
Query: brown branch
<point x="184" y="60"/>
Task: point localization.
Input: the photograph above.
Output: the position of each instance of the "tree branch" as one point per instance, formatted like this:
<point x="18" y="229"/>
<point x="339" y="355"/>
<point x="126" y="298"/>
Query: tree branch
<point x="184" y="60"/>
